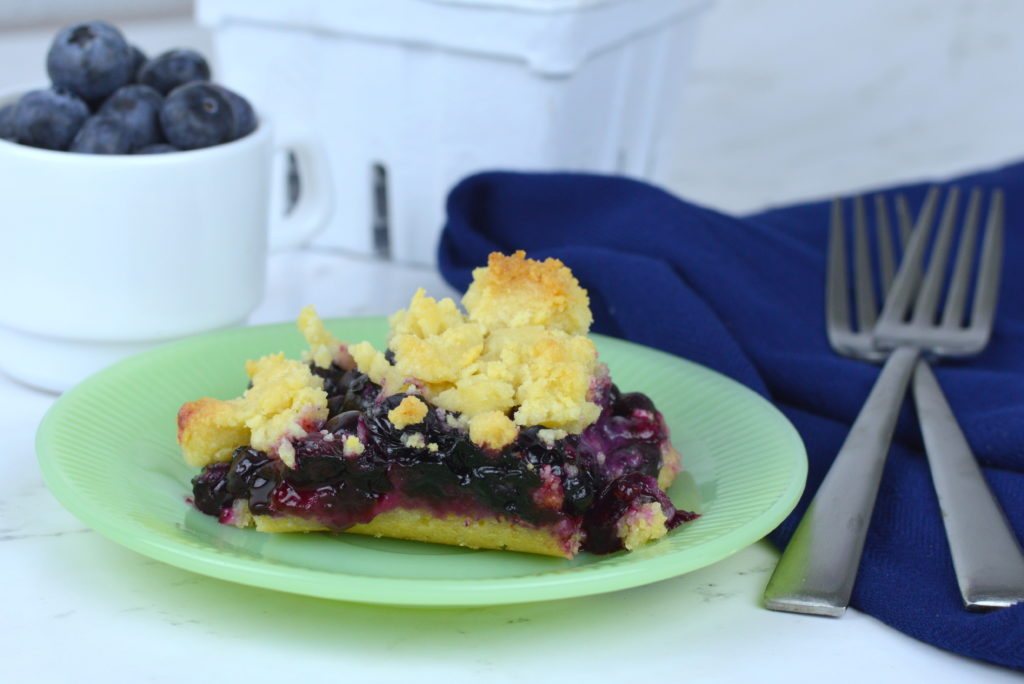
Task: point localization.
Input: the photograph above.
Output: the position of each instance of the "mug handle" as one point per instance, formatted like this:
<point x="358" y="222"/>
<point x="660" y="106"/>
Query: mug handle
<point x="315" y="203"/>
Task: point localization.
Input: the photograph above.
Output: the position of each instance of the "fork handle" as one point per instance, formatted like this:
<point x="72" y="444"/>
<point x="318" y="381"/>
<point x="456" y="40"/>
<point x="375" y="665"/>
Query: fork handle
<point x="817" y="570"/>
<point x="987" y="559"/>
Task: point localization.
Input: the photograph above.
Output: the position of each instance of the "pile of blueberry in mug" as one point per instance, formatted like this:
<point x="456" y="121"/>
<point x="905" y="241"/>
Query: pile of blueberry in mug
<point x="108" y="98"/>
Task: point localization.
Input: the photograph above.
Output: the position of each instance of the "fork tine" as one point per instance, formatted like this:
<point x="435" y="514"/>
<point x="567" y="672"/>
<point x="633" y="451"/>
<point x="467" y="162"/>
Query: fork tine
<point x="905" y="284"/>
<point x="863" y="282"/>
<point x="935" y="275"/>
<point x="904" y="220"/>
<point x="837" y="310"/>
<point x="883" y="231"/>
<point x="953" y="313"/>
<point x="987" y="290"/>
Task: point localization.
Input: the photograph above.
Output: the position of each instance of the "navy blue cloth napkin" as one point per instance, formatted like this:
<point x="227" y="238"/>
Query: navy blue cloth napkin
<point x="745" y="296"/>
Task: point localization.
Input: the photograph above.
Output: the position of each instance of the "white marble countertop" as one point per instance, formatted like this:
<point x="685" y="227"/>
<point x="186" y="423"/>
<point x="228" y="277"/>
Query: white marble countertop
<point x="898" y="93"/>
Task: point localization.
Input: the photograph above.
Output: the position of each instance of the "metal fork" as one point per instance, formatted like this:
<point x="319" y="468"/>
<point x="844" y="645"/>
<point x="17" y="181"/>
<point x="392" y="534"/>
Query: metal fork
<point x="816" y="573"/>
<point x="987" y="559"/>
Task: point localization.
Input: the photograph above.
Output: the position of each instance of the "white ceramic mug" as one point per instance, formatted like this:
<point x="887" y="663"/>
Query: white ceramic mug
<point x="105" y="256"/>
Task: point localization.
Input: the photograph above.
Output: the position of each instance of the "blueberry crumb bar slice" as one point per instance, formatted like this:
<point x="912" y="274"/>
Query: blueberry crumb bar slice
<point x="496" y="428"/>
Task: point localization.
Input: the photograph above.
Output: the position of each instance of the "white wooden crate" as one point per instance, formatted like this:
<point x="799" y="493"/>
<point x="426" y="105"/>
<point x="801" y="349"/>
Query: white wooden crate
<point x="406" y="97"/>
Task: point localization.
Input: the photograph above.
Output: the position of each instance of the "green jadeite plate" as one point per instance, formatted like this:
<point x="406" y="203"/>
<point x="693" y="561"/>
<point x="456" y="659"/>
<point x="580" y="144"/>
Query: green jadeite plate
<point x="107" y="451"/>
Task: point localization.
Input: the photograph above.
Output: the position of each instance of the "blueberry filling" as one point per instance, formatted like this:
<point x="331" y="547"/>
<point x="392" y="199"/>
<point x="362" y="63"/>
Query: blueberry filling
<point x="591" y="479"/>
<point x="347" y="390"/>
<point x="209" y="489"/>
<point x="253" y="475"/>
<point x="626" y="493"/>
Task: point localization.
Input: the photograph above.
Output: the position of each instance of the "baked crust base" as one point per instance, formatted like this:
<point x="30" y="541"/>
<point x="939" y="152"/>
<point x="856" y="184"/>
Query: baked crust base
<point x="452" y="530"/>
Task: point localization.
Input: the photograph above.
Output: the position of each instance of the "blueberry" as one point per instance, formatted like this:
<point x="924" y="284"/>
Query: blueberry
<point x="246" y="464"/>
<point x="579" y="492"/>
<point x="503" y="488"/>
<point x="380" y="426"/>
<point x="209" y="489"/>
<point x="371" y="474"/>
<point x="103" y="134"/>
<point x="158" y="148"/>
<point x="138" y="106"/>
<point x="7" y="122"/>
<point x="49" y="118"/>
<point x="254" y="476"/>
<point x="317" y="461"/>
<point x="627" y="403"/>
<point x="90" y="59"/>
<point x="360" y="392"/>
<point x="346" y="421"/>
<point x="460" y="454"/>
<point x="195" y="115"/>
<point x="245" y="116"/>
<point x="336" y="380"/>
<point x="346" y="390"/>
<point x="138" y="59"/>
<point x="172" y="69"/>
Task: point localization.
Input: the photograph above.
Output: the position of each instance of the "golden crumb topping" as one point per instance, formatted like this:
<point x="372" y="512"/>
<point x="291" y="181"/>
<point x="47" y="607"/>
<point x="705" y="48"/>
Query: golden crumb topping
<point x="641" y="525"/>
<point x="324" y="347"/>
<point x="353" y="447"/>
<point x="493" y="429"/>
<point x="426" y="317"/>
<point x="414" y="440"/>
<point x="513" y="291"/>
<point x="284" y="402"/>
<point x="442" y="344"/>
<point x="411" y="411"/>
<point x="209" y="430"/>
<point x="518" y="357"/>
<point x="372" y="362"/>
